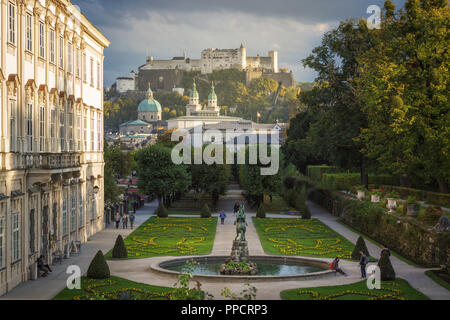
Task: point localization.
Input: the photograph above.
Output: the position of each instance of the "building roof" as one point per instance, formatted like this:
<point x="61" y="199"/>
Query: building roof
<point x="135" y="123"/>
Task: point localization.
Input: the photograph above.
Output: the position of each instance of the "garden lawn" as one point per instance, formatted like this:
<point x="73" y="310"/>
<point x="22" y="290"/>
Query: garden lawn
<point x="108" y="289"/>
<point x="390" y="290"/>
<point x="436" y="278"/>
<point x="298" y="237"/>
<point x="159" y="237"/>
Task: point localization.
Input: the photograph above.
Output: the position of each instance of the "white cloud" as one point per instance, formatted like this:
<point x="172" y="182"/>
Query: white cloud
<point x="166" y="34"/>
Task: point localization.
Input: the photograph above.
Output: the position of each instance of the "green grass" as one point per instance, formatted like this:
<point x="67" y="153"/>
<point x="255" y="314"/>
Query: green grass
<point x="438" y="280"/>
<point x="298" y="237"/>
<point x="109" y="288"/>
<point x="277" y="205"/>
<point x="390" y="290"/>
<point x="159" y="237"/>
<point x="183" y="212"/>
<point x="395" y="254"/>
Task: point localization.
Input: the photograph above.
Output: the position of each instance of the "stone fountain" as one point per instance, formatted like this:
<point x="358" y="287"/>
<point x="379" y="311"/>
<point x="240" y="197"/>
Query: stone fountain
<point x="238" y="263"/>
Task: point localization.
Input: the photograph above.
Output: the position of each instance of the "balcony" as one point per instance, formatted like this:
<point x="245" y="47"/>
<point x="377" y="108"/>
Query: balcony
<point x="50" y="161"/>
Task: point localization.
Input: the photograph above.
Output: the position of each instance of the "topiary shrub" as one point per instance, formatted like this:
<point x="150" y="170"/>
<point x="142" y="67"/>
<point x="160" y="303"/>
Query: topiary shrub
<point x="386" y="269"/>
<point x="119" y="250"/>
<point x="289" y="182"/>
<point x="205" y="213"/>
<point x="162" y="211"/>
<point x="98" y="269"/>
<point x="360" y="246"/>
<point x="261" y="212"/>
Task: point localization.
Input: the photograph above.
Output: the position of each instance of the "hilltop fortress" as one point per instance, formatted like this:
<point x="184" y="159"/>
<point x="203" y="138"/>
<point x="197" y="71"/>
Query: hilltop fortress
<point x="168" y="74"/>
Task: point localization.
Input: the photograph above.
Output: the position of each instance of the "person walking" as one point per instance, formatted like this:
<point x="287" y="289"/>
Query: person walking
<point x="384" y="249"/>
<point x="223" y="216"/>
<point x="125" y="221"/>
<point x="363" y="263"/>
<point x="117" y="219"/>
<point x="132" y="217"/>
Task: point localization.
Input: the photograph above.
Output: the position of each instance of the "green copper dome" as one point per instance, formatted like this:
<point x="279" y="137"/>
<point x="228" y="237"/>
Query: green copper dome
<point x="212" y="95"/>
<point x="149" y="104"/>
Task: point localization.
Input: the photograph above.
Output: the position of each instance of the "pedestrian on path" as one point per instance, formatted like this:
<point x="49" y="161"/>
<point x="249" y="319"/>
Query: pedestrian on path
<point x="223" y="216"/>
<point x="132" y="217"/>
<point x="236" y="208"/>
<point x="384" y="249"/>
<point x="117" y="219"/>
<point x="363" y="263"/>
<point x="335" y="266"/>
<point x="125" y="221"/>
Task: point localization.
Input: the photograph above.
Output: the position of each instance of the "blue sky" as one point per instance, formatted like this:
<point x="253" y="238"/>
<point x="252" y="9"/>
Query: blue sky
<point x="166" y="28"/>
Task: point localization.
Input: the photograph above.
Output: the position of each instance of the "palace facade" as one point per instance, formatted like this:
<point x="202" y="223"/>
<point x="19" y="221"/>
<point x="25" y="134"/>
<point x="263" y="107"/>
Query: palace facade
<point x="51" y="133"/>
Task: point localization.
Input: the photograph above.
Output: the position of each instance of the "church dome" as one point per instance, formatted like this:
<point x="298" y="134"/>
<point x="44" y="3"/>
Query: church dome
<point x="212" y="95"/>
<point x="194" y="93"/>
<point x="149" y="104"/>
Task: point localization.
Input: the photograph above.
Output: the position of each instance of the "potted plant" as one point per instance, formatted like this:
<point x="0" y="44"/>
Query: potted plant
<point x="376" y="196"/>
<point x="413" y="207"/>
<point x="361" y="191"/>
<point x="392" y="203"/>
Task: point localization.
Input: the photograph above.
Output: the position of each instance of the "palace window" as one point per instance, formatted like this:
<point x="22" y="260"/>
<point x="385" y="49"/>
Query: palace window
<point x="70" y="127"/>
<point x="15" y="237"/>
<point x="30" y="127"/>
<point x="42" y="128"/>
<point x="78" y="124"/>
<point x="98" y="75"/>
<point x="29" y="32"/>
<point x="84" y="68"/>
<point x="42" y="40"/>
<point x="62" y="129"/>
<point x="78" y="63"/>
<point x="92" y="72"/>
<point x="85" y="123"/>
<point x="52" y="46"/>
<point x="12" y="23"/>
<point x="93" y="207"/>
<point x="80" y="205"/>
<point x="99" y="133"/>
<point x="13" y="125"/>
<point x="61" y="52"/>
<point x="2" y="240"/>
<point x="53" y="126"/>
<point x="92" y="131"/>
<point x="32" y="231"/>
<point x="64" y="214"/>
<point x="69" y="58"/>
<point x="73" y="214"/>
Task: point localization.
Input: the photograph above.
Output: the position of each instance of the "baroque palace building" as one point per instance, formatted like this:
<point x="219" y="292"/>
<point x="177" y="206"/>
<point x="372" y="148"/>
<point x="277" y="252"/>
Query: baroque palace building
<point x="51" y="127"/>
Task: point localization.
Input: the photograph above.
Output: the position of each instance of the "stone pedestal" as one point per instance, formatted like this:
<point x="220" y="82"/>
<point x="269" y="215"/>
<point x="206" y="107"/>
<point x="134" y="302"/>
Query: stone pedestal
<point x="238" y="263"/>
<point x="239" y="251"/>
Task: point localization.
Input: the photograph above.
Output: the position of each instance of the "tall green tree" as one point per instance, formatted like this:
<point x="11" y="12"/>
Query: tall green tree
<point x="403" y="81"/>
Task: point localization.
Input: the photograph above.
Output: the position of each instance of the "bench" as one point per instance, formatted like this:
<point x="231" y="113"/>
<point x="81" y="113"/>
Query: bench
<point x="75" y="248"/>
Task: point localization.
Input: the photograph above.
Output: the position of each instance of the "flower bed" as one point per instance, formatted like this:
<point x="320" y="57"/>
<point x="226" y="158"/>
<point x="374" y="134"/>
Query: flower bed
<point x="171" y="237"/>
<point x="390" y="290"/>
<point x="112" y="288"/>
<point x="299" y="237"/>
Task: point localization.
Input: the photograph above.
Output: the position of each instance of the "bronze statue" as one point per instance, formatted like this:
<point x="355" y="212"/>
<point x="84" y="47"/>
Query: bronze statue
<point x="241" y="224"/>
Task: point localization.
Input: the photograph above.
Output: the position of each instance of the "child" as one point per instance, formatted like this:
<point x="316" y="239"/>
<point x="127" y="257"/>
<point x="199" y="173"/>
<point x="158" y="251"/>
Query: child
<point x="222" y="216"/>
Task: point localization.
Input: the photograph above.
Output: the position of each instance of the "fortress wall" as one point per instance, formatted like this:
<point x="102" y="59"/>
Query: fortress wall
<point x="159" y="79"/>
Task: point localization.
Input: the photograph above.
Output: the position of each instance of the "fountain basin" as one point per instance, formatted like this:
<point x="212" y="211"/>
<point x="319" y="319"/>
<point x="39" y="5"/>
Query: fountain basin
<point x="270" y="268"/>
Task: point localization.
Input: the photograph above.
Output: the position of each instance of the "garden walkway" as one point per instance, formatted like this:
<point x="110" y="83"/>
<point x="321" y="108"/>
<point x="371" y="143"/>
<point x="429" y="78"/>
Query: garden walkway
<point x="48" y="287"/>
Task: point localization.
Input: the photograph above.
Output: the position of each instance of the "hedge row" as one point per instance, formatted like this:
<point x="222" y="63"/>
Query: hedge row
<point x="344" y="181"/>
<point x="440" y="199"/>
<point x="316" y="172"/>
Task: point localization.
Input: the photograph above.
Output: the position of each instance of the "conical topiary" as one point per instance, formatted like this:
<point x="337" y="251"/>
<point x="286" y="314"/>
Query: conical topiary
<point x="386" y="269"/>
<point x="261" y="212"/>
<point x="119" y="250"/>
<point x="162" y="211"/>
<point x="205" y="213"/>
<point x="98" y="269"/>
<point x="360" y="246"/>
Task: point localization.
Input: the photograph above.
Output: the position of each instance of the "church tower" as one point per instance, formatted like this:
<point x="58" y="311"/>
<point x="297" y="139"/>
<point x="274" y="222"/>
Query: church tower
<point x="194" y="105"/>
<point x="212" y="100"/>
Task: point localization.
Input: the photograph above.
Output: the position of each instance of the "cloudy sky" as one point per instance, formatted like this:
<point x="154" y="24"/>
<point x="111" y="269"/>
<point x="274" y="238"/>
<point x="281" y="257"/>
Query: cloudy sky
<point x="166" y="28"/>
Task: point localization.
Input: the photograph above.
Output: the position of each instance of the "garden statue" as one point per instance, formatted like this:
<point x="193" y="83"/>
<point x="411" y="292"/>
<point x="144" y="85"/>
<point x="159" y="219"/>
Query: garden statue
<point x="238" y="263"/>
<point x="241" y="225"/>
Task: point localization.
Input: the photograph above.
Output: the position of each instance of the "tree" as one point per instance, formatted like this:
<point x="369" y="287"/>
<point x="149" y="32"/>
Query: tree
<point x="386" y="268"/>
<point x="98" y="269"/>
<point x="119" y="250"/>
<point x="159" y="176"/>
<point x="404" y="85"/>
<point x="360" y="246"/>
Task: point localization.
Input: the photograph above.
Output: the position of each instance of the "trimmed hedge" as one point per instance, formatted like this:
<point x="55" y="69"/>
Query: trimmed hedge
<point x="261" y="212"/>
<point x="344" y="181"/>
<point x="316" y="172"/>
<point x="162" y="212"/>
<point x="98" y="269"/>
<point x="119" y="250"/>
<point x="386" y="268"/>
<point x="205" y="213"/>
<point x="360" y="246"/>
